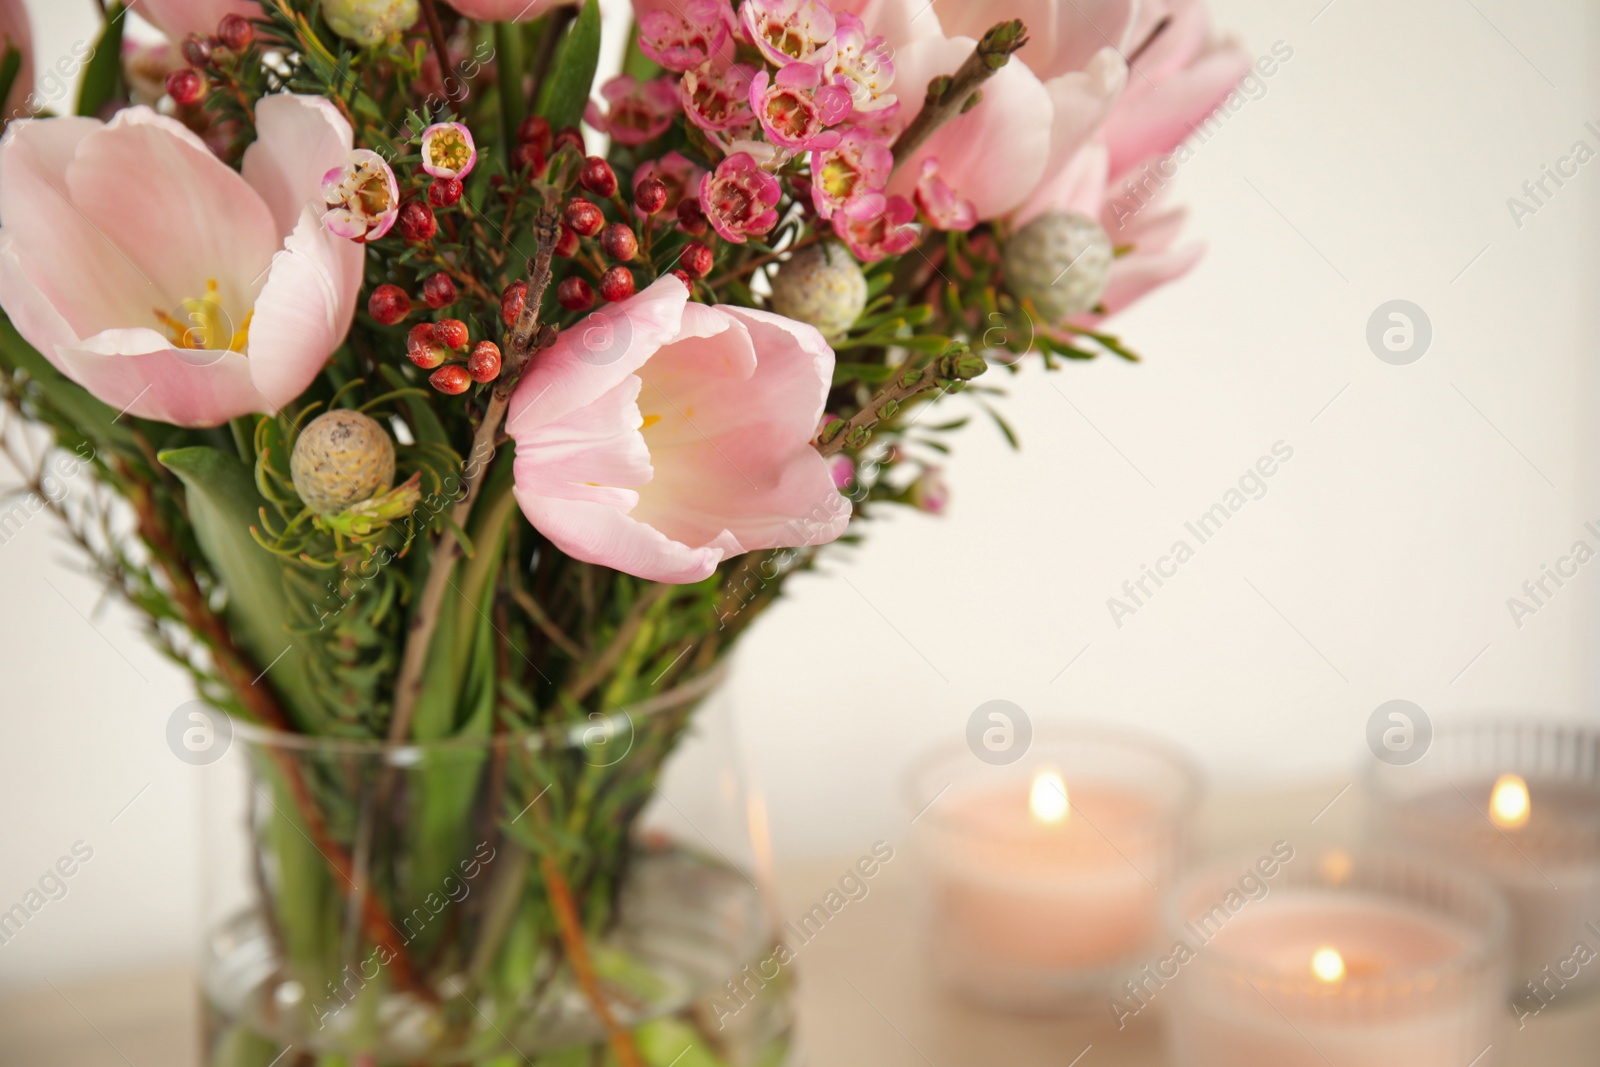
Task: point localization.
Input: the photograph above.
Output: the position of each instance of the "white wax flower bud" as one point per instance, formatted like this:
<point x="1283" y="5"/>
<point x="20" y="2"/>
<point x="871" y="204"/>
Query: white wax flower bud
<point x="341" y="458"/>
<point x="822" y="285"/>
<point x="1060" y="260"/>
<point x="369" y="22"/>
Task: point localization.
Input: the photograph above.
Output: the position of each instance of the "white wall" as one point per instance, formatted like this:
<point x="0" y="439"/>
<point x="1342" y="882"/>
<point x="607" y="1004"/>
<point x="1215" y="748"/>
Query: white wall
<point x="1376" y="166"/>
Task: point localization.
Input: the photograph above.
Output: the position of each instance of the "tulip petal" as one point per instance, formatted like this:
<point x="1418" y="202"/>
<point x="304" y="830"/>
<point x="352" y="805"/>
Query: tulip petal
<point x="91" y="283"/>
<point x="304" y="310"/>
<point x="298" y="140"/>
<point x="177" y="211"/>
<point x="995" y="154"/>
<point x="1161" y="119"/>
<point x="598" y="533"/>
<point x="138" y="371"/>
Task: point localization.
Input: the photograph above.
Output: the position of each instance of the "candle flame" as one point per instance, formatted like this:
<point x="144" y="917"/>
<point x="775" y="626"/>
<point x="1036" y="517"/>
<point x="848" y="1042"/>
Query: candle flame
<point x="1047" y="799"/>
<point x="1509" y="805"/>
<point x="1327" y="965"/>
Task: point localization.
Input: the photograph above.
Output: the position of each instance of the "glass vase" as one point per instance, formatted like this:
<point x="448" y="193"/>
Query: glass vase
<point x="553" y="898"/>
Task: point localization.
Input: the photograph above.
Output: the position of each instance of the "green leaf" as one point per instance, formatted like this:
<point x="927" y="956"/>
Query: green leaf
<point x="10" y="66"/>
<point x="635" y="62"/>
<point x="102" y="75"/>
<point x="565" y="92"/>
<point x="223" y="503"/>
<point x="863" y="372"/>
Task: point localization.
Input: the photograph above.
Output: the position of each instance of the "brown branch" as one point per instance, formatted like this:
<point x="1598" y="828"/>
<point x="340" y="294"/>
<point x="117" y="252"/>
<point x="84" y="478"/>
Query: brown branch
<point x="577" y="950"/>
<point x="520" y="344"/>
<point x="957" y="364"/>
<point x="546" y="624"/>
<point x="950" y="95"/>
<point x="597" y="668"/>
<point x="430" y="15"/>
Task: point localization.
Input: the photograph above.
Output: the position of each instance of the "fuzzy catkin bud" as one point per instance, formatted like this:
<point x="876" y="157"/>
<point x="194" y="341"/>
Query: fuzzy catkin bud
<point x="341" y="458"/>
<point x="822" y="285"/>
<point x="369" y="22"/>
<point x="1061" y="261"/>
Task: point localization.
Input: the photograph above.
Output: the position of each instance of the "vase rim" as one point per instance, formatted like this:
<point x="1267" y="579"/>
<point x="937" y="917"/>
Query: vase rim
<point x="593" y="731"/>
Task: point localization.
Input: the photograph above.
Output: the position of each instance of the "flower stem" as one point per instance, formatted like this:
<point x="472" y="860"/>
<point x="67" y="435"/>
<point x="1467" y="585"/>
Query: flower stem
<point x="520" y="344"/>
<point x="951" y="95"/>
<point x="577" y="950"/>
<point x="958" y="364"/>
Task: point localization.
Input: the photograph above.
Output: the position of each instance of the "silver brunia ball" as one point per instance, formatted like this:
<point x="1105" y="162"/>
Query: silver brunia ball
<point x="822" y="285"/>
<point x="341" y="458"/>
<point x="1060" y="260"/>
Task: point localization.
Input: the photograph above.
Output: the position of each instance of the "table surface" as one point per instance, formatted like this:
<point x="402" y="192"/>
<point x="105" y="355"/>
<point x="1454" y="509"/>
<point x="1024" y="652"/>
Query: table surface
<point x="864" y="995"/>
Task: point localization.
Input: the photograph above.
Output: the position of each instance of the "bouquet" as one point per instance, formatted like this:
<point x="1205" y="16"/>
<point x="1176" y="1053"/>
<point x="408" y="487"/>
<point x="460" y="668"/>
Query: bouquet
<point x="445" y="412"/>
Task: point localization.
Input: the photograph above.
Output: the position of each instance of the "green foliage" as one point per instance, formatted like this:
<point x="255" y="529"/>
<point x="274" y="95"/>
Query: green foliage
<point x="566" y="91"/>
<point x="102" y="75"/>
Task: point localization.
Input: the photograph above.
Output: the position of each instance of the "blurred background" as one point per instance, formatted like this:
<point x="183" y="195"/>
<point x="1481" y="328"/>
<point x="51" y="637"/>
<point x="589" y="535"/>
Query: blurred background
<point x="1383" y="159"/>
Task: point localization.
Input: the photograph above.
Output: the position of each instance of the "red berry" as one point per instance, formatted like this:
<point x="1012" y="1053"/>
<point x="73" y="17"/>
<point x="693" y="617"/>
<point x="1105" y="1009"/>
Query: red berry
<point x="439" y="290"/>
<point x="484" y="363"/>
<point x="575" y="294"/>
<point x="236" y="32"/>
<point x="616" y="284"/>
<point x="511" y="302"/>
<point x="416" y="222"/>
<point x="690" y="218"/>
<point x="196" y="50"/>
<point x="567" y="135"/>
<point x="683" y="277"/>
<point x="697" y="259"/>
<point x="535" y="130"/>
<point x="618" y="242"/>
<point x="584" y="218"/>
<point x="452" y="333"/>
<point x="650" y="196"/>
<point x="422" y="348"/>
<point x="444" y="192"/>
<point x="528" y="157"/>
<point x="389" y="304"/>
<point x="451" y="380"/>
<point x="597" y="176"/>
<point x="186" y="87"/>
<point x="567" y="243"/>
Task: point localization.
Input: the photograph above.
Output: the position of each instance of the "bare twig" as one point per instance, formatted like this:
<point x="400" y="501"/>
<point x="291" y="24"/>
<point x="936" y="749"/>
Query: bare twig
<point x="957" y="364"/>
<point x="430" y="15"/>
<point x="950" y="95"/>
<point x="596" y="670"/>
<point x="577" y="950"/>
<point x="520" y="344"/>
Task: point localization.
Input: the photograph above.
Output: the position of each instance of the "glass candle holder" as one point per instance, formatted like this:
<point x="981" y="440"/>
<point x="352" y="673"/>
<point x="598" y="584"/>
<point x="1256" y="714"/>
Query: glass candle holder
<point x="1366" y="960"/>
<point x="1520" y="802"/>
<point x="1041" y="879"/>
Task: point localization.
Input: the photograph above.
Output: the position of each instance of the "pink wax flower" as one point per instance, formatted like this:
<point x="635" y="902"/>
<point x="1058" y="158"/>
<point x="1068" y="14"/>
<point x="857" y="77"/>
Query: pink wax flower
<point x="843" y="469"/>
<point x="718" y="100"/>
<point x="660" y="436"/>
<point x="789" y="31"/>
<point x="678" y="174"/>
<point x="738" y="198"/>
<point x="850" y="174"/>
<point x="887" y="232"/>
<point x="636" y="111"/>
<point x="362" y="197"/>
<point x="796" y="108"/>
<point x="220" y="293"/>
<point x="682" y="38"/>
<point x="448" y="151"/>
<point x="179" y="18"/>
<point x="929" y="492"/>
<point x="862" y="65"/>
<point x="943" y="208"/>
<point x="506" y="10"/>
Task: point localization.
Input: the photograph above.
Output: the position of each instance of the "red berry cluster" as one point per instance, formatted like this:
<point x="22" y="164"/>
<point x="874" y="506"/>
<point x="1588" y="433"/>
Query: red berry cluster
<point x="187" y="85"/>
<point x="438" y="346"/>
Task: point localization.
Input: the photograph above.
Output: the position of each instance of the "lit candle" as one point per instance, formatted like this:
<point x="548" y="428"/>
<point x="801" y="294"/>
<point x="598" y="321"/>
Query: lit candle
<point x="1520" y="802"/>
<point x="1043" y="880"/>
<point x="1369" y="961"/>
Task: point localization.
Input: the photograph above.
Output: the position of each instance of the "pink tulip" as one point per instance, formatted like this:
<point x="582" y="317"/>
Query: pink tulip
<point x="179" y="18"/>
<point x="164" y="282"/>
<point x="17" y="32"/>
<point x="506" y="10"/>
<point x="660" y="437"/>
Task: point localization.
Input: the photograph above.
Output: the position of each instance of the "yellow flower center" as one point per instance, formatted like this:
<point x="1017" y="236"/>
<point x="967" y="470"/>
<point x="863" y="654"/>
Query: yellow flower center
<point x="204" y="324"/>
<point x="448" y="150"/>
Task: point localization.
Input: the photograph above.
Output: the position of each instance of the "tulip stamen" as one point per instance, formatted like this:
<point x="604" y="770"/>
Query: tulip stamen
<point x="205" y="324"/>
